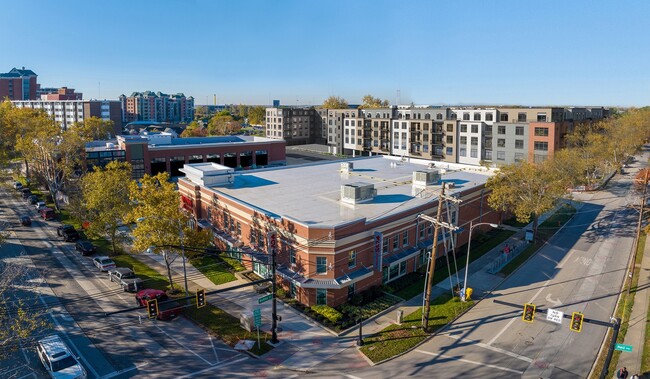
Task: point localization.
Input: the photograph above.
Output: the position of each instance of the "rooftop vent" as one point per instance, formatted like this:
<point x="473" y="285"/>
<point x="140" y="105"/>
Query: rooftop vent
<point x="423" y="178"/>
<point x="110" y="145"/>
<point x="347" y="167"/>
<point x="359" y="192"/>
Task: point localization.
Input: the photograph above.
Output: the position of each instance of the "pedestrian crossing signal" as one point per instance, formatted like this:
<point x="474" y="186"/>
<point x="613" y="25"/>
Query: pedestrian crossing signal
<point x="576" y="321"/>
<point x="200" y="298"/>
<point x="529" y="313"/>
<point x="152" y="308"/>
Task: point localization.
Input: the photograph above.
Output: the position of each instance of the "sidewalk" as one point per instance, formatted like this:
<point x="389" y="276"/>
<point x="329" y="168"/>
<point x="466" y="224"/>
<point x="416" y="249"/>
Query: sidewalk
<point x="637" y="325"/>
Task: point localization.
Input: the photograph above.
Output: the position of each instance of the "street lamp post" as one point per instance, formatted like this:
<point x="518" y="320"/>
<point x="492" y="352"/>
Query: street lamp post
<point x="469" y="244"/>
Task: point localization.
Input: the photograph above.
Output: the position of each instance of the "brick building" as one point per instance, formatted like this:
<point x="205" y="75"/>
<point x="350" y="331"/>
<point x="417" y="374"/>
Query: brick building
<point x="341" y="227"/>
<point x="18" y="84"/>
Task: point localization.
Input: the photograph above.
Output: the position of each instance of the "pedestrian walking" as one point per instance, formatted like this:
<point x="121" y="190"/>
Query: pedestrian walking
<point x="622" y="373"/>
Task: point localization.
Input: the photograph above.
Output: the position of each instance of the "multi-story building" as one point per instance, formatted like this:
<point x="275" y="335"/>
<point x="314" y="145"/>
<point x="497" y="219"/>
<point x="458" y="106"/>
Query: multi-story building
<point x="474" y="134"/>
<point x="379" y="120"/>
<point x="152" y="153"/>
<point x="67" y="112"/>
<point x="296" y="126"/>
<point x="63" y="93"/>
<point x="18" y="84"/>
<point x="340" y="227"/>
<point x="150" y="106"/>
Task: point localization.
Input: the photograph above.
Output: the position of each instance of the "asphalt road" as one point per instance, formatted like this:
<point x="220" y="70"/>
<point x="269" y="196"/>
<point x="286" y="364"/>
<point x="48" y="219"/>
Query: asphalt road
<point x="76" y="297"/>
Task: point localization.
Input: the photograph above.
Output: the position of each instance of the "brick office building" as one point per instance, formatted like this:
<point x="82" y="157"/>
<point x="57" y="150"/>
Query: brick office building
<point x="18" y="84"/>
<point x="341" y="227"/>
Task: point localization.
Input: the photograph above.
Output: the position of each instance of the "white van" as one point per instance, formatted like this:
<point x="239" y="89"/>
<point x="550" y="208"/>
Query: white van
<point x="58" y="360"/>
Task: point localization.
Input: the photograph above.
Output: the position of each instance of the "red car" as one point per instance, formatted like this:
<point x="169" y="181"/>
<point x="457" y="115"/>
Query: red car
<point x="166" y="310"/>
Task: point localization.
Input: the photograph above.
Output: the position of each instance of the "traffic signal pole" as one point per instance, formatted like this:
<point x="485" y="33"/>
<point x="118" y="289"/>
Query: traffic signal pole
<point x="610" y="351"/>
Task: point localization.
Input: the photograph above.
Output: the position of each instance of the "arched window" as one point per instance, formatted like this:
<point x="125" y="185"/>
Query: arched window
<point x="427" y="116"/>
<point x="399" y="115"/>
<point x="439" y="116"/>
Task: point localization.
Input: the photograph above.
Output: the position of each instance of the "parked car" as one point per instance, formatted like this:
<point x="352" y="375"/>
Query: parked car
<point x="40" y="205"/>
<point x="68" y="232"/>
<point x="26" y="193"/>
<point x="47" y="213"/>
<point x="85" y="247"/>
<point x="166" y="310"/>
<point x="126" y="278"/>
<point x="18" y="186"/>
<point x="58" y="359"/>
<point x="25" y="220"/>
<point x="33" y="199"/>
<point x="104" y="263"/>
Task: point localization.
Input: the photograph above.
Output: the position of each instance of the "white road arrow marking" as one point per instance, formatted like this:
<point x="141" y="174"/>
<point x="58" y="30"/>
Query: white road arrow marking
<point x="556" y="303"/>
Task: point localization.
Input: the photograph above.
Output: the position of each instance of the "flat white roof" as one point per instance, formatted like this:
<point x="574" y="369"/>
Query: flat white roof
<point x="310" y="194"/>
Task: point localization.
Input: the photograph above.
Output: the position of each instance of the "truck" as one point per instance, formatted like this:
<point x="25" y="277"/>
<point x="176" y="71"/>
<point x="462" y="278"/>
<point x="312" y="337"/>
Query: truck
<point x="167" y="310"/>
<point x="126" y="279"/>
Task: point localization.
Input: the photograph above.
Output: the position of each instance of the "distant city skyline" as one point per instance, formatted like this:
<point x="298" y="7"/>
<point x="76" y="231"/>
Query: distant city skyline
<point x="253" y="52"/>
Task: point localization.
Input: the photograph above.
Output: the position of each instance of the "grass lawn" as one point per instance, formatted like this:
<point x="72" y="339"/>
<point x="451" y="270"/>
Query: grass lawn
<point x="397" y="339"/>
<point x="151" y="277"/>
<point x="226" y="327"/>
<point x="624" y="311"/>
<point x="545" y="231"/>
<point x="218" y="270"/>
<point x="491" y="239"/>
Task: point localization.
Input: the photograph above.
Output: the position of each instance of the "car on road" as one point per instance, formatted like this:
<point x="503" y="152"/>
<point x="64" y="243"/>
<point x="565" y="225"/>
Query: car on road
<point x="126" y="278"/>
<point x="25" y="220"/>
<point x="104" y="263"/>
<point x="58" y="359"/>
<point x="85" y="247"/>
<point x="167" y="310"/>
<point x="18" y="186"/>
<point x="68" y="232"/>
<point x="26" y="193"/>
<point x="33" y="199"/>
<point x="47" y="213"/>
<point x="40" y="205"/>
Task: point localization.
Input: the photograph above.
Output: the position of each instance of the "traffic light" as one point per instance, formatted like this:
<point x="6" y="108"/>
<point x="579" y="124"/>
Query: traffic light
<point x="576" y="321"/>
<point x="152" y="308"/>
<point x="529" y="313"/>
<point x="200" y="298"/>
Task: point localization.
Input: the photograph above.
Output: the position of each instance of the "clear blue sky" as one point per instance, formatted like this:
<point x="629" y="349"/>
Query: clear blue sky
<point x="433" y="52"/>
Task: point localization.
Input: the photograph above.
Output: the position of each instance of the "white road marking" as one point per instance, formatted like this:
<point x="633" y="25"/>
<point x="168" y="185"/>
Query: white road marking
<point x="472" y="362"/>
<point x="116" y="373"/>
<point x="185" y="347"/>
<point x="496" y="349"/>
<point x="555" y="303"/>
<point x="213" y="350"/>
<point x="351" y="376"/>
<point x="212" y="368"/>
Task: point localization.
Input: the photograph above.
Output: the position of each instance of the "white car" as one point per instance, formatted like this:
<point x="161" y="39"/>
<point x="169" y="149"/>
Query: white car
<point x="104" y="263"/>
<point x="40" y="205"/>
<point x="58" y="360"/>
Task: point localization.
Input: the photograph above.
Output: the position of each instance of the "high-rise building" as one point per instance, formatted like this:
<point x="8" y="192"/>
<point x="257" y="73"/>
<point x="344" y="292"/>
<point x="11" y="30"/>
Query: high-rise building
<point x="18" y="84"/>
<point x="150" y="106"/>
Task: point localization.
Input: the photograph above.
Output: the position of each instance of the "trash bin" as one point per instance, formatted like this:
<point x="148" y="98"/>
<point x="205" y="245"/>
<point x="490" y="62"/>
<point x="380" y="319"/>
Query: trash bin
<point x="400" y="315"/>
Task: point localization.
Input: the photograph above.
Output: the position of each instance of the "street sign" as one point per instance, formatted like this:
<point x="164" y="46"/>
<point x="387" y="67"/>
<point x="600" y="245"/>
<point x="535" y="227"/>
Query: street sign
<point x="257" y="316"/>
<point x="622" y="347"/>
<point x="264" y="298"/>
<point x="554" y="315"/>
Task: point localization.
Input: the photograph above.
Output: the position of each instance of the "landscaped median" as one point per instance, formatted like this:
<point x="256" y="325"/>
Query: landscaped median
<point x="397" y="339"/>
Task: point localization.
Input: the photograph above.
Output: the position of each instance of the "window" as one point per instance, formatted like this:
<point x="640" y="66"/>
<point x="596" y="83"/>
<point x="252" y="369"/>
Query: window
<point x="321" y="296"/>
<point x="463" y="128"/>
<point x="488" y="129"/>
<point x="519" y="130"/>
<point x="519" y="144"/>
<point x="473" y="153"/>
<point x="488" y="155"/>
<point x="519" y="157"/>
<point x="504" y="117"/>
<point x="465" y="116"/>
<point x="501" y="129"/>
<point x="541" y="132"/>
<point x="450" y="139"/>
<point x="541" y="146"/>
<point x="395" y="243"/>
<point x="292" y="255"/>
<point x="477" y="117"/>
<point x="405" y="238"/>
<point x="501" y="142"/>
<point x="541" y="117"/>
<point x="474" y="141"/>
<point x="352" y="259"/>
<point x="421" y="231"/>
<point x="463" y="140"/>
<point x="474" y="128"/>
<point x="384" y="248"/>
<point x="450" y="151"/>
<point x="351" y="291"/>
<point x="501" y="155"/>
<point x="321" y="265"/>
<point x="462" y="152"/>
<point x="521" y="117"/>
<point x="488" y="117"/>
<point x="439" y="116"/>
<point x="450" y="127"/>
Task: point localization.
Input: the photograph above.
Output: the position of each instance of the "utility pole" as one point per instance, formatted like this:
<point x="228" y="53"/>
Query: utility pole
<point x="432" y="260"/>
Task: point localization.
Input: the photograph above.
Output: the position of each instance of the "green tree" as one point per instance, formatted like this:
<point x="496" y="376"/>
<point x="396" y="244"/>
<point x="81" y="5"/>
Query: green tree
<point x="94" y="128"/>
<point x="526" y="189"/>
<point x="106" y="201"/>
<point x="194" y="129"/>
<point x="369" y="101"/>
<point x="335" y="102"/>
<point x="161" y="224"/>
<point x="257" y="115"/>
<point x="223" y="124"/>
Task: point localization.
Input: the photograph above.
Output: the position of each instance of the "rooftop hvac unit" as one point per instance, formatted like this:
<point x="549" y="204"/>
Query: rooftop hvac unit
<point x="359" y="192"/>
<point x="347" y="166"/>
<point x="451" y="185"/>
<point x="110" y="145"/>
<point x="426" y="177"/>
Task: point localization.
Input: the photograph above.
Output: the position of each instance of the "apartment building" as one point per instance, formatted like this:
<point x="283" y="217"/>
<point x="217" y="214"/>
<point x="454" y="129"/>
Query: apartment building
<point x="378" y="121"/>
<point x="296" y="126"/>
<point x="339" y="228"/>
<point x="157" y="106"/>
<point x="18" y="84"/>
<point x="63" y="93"/>
<point x="67" y="112"/>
